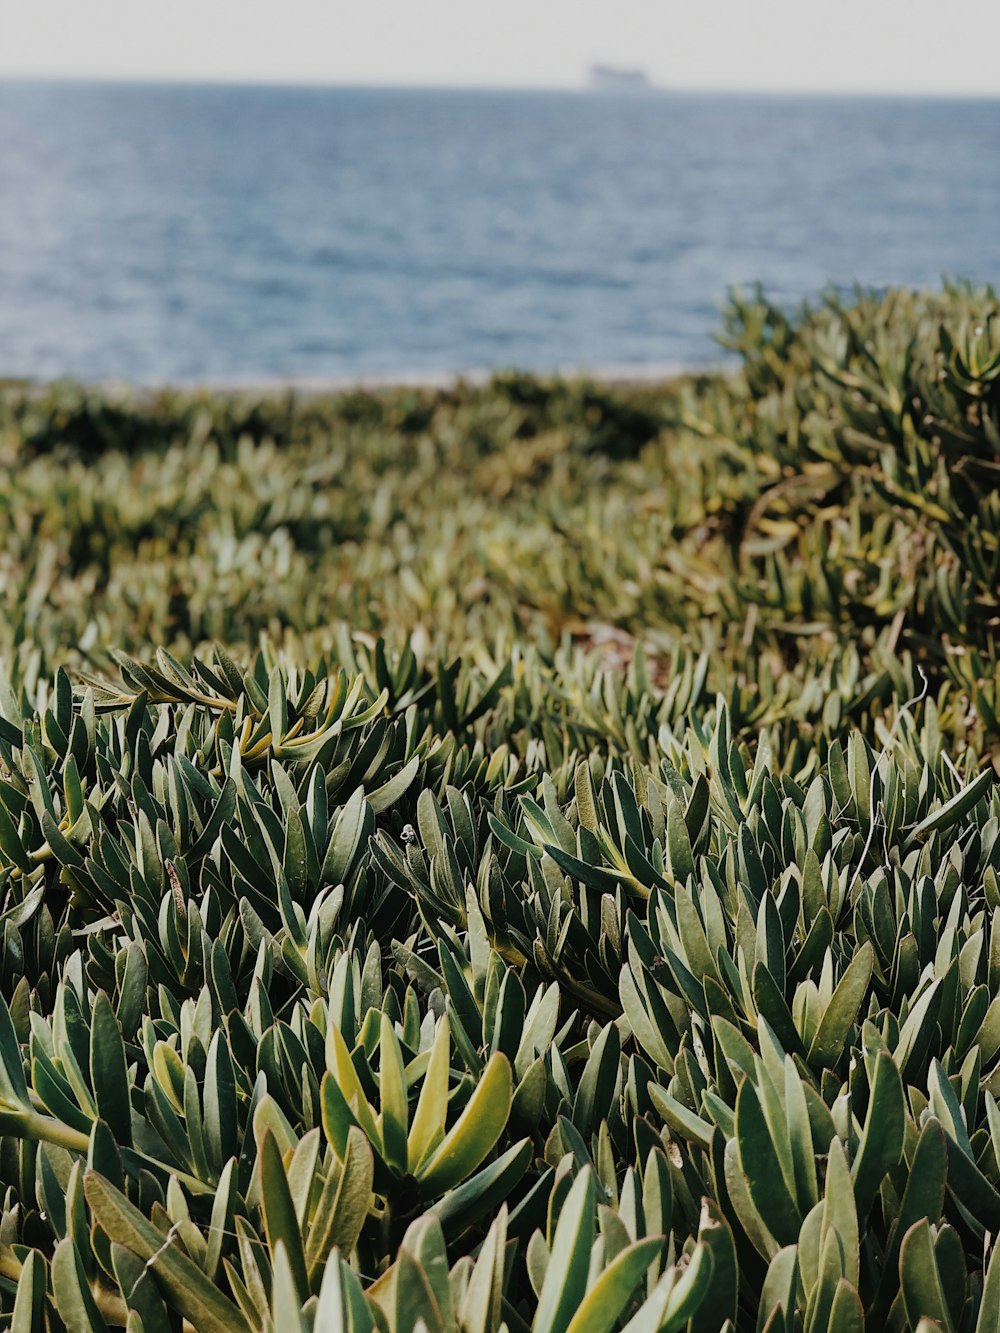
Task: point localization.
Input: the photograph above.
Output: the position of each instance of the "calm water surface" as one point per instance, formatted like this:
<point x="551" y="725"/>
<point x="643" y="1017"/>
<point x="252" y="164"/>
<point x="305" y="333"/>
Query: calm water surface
<point x="162" y="233"/>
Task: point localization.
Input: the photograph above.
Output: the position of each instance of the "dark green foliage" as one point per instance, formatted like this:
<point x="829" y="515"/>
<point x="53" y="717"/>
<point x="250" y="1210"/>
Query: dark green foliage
<point x="458" y="981"/>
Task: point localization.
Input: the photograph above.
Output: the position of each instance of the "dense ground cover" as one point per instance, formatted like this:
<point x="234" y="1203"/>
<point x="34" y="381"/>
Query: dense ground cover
<point x="538" y="862"/>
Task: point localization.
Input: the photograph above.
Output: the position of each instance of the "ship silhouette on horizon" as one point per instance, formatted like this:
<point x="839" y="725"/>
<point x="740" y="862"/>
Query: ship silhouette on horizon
<point x="615" y="78"/>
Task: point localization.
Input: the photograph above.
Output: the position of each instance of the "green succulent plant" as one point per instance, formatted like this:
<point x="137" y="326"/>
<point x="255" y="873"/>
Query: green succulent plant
<point x="601" y="933"/>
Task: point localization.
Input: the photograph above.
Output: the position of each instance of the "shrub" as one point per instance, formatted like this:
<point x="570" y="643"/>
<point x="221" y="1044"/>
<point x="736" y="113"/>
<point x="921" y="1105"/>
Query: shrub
<point x="612" y="945"/>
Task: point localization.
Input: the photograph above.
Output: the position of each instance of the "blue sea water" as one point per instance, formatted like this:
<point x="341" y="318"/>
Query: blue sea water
<point x="172" y="233"/>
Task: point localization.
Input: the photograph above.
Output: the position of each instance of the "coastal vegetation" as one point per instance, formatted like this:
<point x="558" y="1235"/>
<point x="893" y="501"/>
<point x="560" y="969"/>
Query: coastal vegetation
<point x="515" y="856"/>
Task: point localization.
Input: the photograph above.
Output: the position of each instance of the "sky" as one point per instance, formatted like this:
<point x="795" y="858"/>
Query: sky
<point x="890" y="46"/>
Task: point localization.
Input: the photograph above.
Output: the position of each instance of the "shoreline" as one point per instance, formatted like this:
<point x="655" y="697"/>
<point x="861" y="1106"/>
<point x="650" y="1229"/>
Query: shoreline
<point x="477" y="377"/>
<point x="624" y="375"/>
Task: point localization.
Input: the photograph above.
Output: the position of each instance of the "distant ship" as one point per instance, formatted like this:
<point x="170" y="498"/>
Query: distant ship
<point x="606" y="78"/>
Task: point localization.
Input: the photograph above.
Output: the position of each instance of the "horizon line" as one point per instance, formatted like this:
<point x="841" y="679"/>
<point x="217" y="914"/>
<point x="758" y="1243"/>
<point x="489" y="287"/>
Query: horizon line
<point x="650" y="90"/>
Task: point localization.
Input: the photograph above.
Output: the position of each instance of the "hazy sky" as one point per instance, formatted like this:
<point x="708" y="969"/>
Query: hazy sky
<point x="879" y="45"/>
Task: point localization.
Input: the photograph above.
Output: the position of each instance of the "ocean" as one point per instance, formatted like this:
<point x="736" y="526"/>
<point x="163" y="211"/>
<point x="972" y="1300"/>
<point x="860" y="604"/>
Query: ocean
<point x="230" y="234"/>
